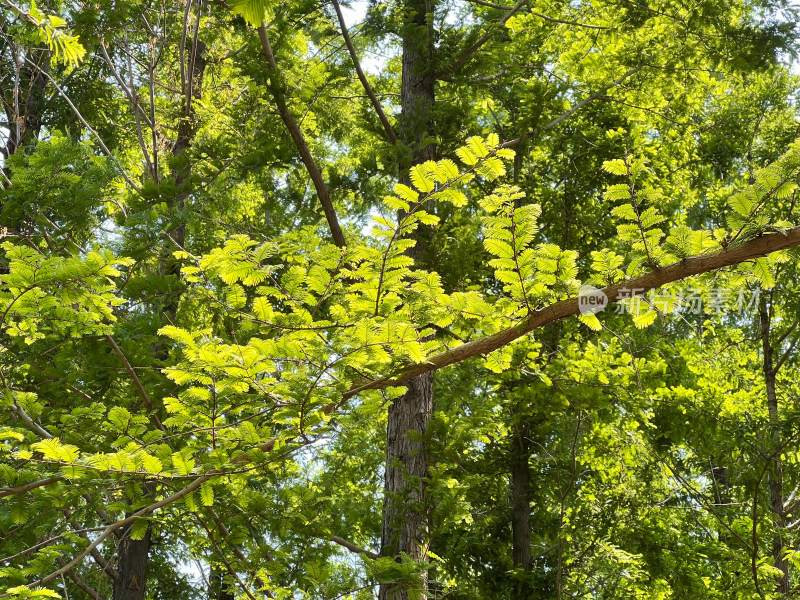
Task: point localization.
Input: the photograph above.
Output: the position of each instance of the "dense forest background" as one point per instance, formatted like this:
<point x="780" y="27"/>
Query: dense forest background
<point x="290" y="299"/>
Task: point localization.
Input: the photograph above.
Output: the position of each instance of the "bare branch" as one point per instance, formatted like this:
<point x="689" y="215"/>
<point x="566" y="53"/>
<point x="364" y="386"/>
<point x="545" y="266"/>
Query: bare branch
<point x="137" y="382"/>
<point x="353" y="548"/>
<point x="143" y="512"/>
<point x="80" y="582"/>
<point x="89" y="128"/>
<point x="28" y="486"/>
<point x="40" y="431"/>
<point x="237" y="552"/>
<point x="138" y="111"/>
<point x="785" y="355"/>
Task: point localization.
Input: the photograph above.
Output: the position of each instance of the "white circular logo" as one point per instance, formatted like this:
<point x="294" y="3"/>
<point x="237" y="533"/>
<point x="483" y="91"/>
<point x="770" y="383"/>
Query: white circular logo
<point x="591" y="300"/>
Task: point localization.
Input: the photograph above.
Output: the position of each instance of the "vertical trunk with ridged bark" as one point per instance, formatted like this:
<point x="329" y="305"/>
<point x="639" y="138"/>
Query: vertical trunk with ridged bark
<point x="776" y="468"/>
<point x="132" y="560"/>
<point x="219" y="588"/>
<point x="521" y="512"/>
<point x="405" y="527"/>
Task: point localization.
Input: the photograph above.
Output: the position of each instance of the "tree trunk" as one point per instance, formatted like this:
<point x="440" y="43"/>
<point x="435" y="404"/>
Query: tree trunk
<point x="776" y="469"/>
<point x="405" y="526"/>
<point x="134" y="554"/>
<point x="132" y="566"/>
<point x="187" y="129"/>
<point x="219" y="589"/>
<point x="521" y="514"/>
<point x="404" y="515"/>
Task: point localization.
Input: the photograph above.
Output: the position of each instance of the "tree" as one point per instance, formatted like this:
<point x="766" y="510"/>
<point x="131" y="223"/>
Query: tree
<point x="203" y="348"/>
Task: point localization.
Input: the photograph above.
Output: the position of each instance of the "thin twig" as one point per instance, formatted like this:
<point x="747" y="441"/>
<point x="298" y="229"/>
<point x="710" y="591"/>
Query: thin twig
<point x="363" y="78"/>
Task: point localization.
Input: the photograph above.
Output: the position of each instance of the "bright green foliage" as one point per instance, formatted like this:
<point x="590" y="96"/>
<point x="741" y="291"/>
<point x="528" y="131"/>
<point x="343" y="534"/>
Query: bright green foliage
<point x="182" y="346"/>
<point x="51" y="29"/>
<point x="253" y="11"/>
<point x="532" y="276"/>
<point x="58" y="296"/>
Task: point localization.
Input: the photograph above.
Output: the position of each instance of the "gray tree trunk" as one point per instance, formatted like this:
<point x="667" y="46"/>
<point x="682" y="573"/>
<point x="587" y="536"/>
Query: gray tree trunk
<point x="132" y="560"/>
<point x="405" y="528"/>
<point x="776" y="469"/>
<point x="521" y="513"/>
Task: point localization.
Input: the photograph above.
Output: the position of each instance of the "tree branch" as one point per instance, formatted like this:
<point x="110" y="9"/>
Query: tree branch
<point x="237" y="552"/>
<point x="462" y="60"/>
<point x="89" y="128"/>
<point x="353" y="548"/>
<point x="132" y="96"/>
<point x="300" y="142"/>
<point x="143" y="512"/>
<point x="148" y="405"/>
<point x="364" y="82"/>
<point x="80" y="582"/>
<point x="40" y="431"/>
<point x="696" y="265"/>
<point x="575" y="108"/>
<point x="538" y="14"/>
<point x="785" y="355"/>
<point x="28" y="486"/>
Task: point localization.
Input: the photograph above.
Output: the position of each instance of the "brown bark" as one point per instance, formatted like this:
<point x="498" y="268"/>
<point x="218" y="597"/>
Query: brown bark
<point x="696" y="265"/>
<point x="776" y="468"/>
<point x="279" y="96"/>
<point x="521" y="512"/>
<point x="132" y="566"/>
<point x="405" y="527"/>
<point x="219" y="589"/>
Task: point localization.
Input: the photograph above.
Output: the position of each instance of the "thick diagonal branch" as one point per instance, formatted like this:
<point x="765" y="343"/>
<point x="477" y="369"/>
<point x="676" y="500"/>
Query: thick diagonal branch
<point x="299" y="140"/>
<point x="696" y="265"/>
<point x="361" y="77"/>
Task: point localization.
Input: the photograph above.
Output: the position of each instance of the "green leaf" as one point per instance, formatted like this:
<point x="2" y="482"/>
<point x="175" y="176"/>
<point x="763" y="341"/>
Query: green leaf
<point x="120" y="417"/>
<point x="253" y="11"/>
<point x="644" y="318"/>
<point x="420" y="178"/>
<point x="591" y="321"/>
<point x="181" y="464"/>
<point x="624" y="211"/>
<point x="54" y="450"/>
<point x="615" y="167"/>
<point x="151" y="464"/>
<point x="24" y="591"/>
<point x="498" y="248"/>
<point x="207" y="493"/>
<point x="190" y="502"/>
<point x="139" y="529"/>
<point x="741" y="203"/>
<point x="762" y="271"/>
